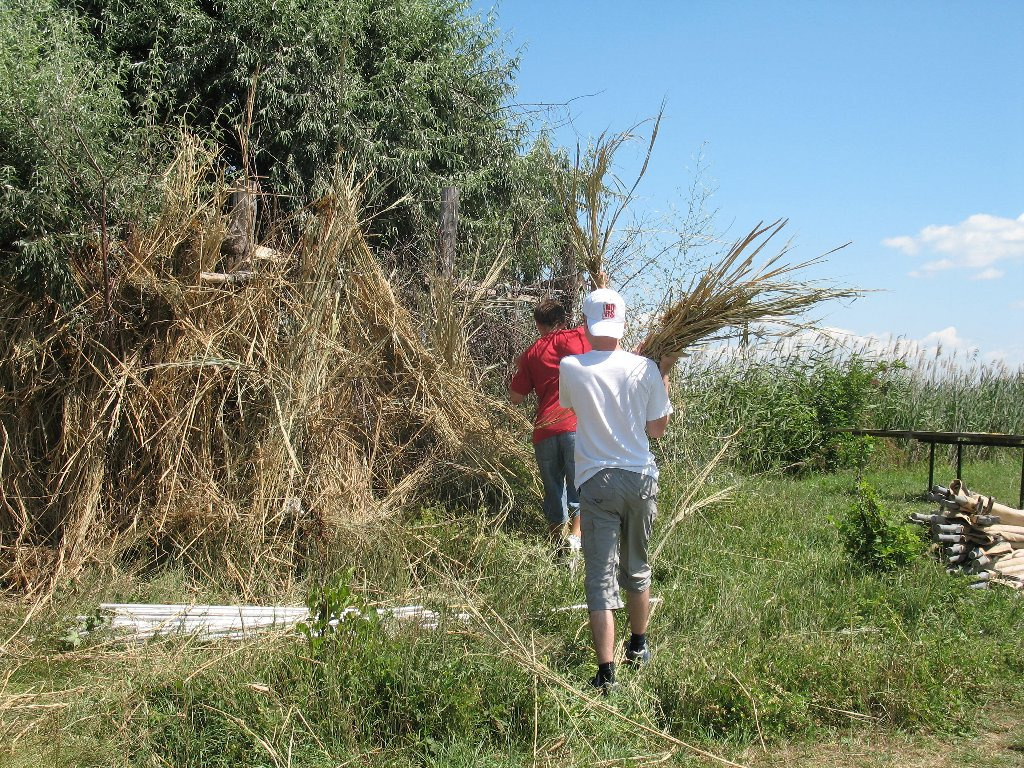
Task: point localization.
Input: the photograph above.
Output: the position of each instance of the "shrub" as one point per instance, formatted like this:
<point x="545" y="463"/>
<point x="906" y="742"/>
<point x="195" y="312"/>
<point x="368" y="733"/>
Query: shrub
<point x="412" y="94"/>
<point x="842" y="395"/>
<point x="65" y="161"/>
<point x="873" y="538"/>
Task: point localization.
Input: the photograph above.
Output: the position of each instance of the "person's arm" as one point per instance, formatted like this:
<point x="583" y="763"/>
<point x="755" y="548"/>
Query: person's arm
<point x="521" y="384"/>
<point x="665" y="368"/>
<point x="657" y="427"/>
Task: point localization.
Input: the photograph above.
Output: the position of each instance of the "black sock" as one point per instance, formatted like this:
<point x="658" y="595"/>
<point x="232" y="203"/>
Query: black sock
<point x="637" y="642"/>
<point x="606" y="672"/>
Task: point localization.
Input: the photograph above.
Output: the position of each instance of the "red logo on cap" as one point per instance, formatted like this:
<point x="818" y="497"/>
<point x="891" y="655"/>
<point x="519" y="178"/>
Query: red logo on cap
<point x="609" y="312"/>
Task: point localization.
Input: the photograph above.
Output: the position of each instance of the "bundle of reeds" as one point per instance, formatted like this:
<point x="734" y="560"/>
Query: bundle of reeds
<point x="594" y="198"/>
<point x="736" y="293"/>
<point x="977" y="536"/>
<point x="237" y="424"/>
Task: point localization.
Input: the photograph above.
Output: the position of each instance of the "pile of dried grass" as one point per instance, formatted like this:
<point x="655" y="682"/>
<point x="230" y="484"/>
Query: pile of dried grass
<point x="236" y="426"/>
<point x="734" y="294"/>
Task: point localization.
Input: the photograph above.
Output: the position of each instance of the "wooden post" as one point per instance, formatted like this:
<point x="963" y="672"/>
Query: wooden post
<point x="570" y="283"/>
<point x="241" y="235"/>
<point x="449" y="230"/>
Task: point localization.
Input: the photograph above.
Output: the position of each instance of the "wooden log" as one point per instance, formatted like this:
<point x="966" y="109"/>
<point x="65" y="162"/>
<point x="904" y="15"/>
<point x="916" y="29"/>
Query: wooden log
<point x="978" y="504"/>
<point x="1014" y="533"/>
<point x="144" y="621"/>
<point x="1000" y="549"/>
<point x="226" y="279"/>
<point x="940" y="519"/>
<point x="1009" y="567"/>
<point x="241" y="227"/>
<point x="981" y="539"/>
<point x="1006" y="549"/>
<point x="963" y="553"/>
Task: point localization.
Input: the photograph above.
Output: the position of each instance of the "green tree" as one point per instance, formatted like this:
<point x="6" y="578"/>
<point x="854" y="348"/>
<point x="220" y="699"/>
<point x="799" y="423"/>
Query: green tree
<point x="65" y="161"/>
<point x="414" y="94"/>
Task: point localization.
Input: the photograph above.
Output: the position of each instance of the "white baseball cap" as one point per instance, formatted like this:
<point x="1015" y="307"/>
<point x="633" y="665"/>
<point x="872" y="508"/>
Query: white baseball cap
<point x="605" y="312"/>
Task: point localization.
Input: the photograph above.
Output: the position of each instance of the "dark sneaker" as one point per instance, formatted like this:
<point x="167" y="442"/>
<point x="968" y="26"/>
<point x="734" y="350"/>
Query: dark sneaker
<point x="604" y="686"/>
<point x="637" y="658"/>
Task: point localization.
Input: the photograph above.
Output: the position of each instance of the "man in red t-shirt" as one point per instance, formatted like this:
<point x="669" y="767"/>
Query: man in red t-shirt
<point x="554" y="433"/>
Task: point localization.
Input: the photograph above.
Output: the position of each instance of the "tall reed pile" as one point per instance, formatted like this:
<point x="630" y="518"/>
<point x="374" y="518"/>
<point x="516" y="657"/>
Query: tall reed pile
<point x="242" y="426"/>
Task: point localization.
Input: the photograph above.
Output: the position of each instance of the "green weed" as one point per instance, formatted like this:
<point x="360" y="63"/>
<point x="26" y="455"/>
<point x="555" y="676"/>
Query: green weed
<point x="872" y="537"/>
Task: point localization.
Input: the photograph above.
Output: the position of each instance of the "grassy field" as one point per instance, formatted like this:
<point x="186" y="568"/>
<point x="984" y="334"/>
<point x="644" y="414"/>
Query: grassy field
<point x="771" y="648"/>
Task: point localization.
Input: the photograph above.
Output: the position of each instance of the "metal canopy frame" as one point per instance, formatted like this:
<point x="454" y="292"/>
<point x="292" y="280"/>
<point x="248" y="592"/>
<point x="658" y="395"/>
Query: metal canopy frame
<point x="959" y="439"/>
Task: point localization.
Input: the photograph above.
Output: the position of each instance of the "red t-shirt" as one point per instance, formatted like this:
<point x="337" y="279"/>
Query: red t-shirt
<point x="538" y="370"/>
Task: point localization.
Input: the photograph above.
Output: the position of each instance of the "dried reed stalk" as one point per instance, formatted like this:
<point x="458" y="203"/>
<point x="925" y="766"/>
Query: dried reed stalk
<point x="507" y="642"/>
<point x="236" y="426"/>
<point x="734" y="294"/>
<point x="594" y="199"/>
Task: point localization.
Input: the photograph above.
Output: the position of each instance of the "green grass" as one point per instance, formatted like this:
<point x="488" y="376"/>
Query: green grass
<point x="771" y="647"/>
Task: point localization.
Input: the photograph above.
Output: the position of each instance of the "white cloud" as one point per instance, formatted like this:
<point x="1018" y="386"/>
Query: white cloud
<point x="906" y="244"/>
<point x="929" y="268"/>
<point x="946" y="344"/>
<point x="979" y="242"/>
<point x="948" y="339"/>
<point x="988" y="274"/>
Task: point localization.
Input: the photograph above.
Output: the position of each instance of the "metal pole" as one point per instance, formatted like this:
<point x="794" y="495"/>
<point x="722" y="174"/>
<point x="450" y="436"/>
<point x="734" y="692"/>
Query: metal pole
<point x="931" y="467"/>
<point x="1021" y="504"/>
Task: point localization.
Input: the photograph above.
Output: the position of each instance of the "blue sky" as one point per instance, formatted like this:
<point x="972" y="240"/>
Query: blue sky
<point x="895" y="125"/>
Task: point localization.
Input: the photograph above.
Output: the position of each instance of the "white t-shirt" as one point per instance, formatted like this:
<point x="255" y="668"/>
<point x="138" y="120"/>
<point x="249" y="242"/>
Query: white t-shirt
<point x="614" y="395"/>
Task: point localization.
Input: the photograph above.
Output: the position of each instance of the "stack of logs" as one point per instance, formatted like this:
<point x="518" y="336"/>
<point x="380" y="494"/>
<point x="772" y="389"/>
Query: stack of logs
<point x="977" y="536"/>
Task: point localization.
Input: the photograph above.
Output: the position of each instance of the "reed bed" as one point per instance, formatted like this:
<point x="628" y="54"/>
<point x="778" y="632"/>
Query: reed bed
<point x="242" y="426"/>
<point x="786" y="394"/>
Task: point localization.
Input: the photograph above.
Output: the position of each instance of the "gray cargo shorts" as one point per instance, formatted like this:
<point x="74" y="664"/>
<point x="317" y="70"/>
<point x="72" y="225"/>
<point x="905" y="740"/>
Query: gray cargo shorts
<point x="617" y="515"/>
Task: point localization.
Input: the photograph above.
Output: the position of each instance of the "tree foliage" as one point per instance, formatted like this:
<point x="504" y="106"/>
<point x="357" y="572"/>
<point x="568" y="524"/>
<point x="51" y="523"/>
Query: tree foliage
<point x="64" y="140"/>
<point x="412" y="93"/>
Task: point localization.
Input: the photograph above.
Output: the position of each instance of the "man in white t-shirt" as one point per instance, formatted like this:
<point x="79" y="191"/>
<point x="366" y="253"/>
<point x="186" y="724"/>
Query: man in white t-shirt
<point x="620" y="400"/>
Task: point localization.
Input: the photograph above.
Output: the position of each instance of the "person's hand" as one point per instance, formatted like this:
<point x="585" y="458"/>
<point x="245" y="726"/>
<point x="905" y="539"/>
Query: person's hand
<point x="600" y="280"/>
<point x="667" y="363"/>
